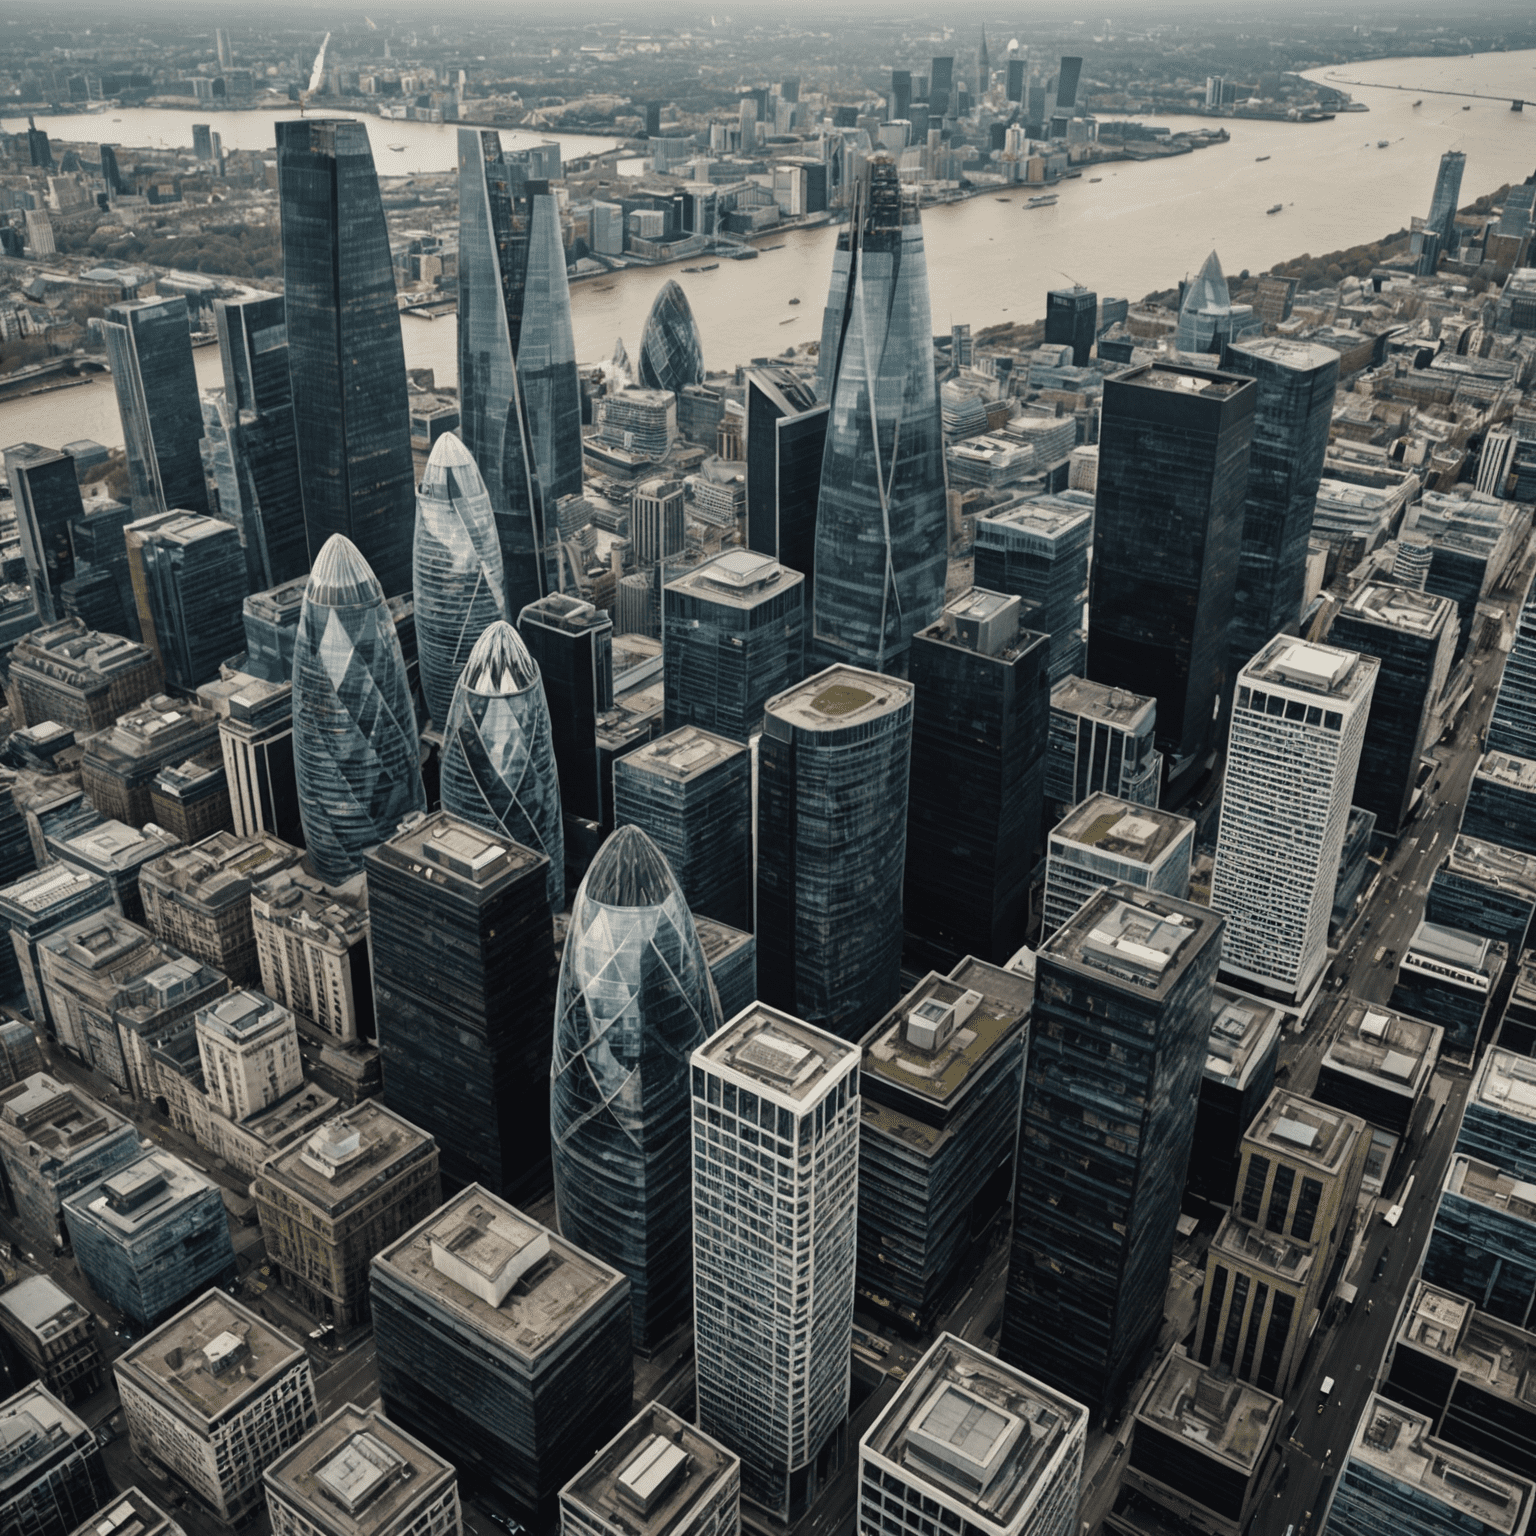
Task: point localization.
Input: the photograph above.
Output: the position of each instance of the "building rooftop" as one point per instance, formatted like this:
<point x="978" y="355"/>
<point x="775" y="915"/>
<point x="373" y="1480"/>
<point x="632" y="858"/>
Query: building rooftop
<point x="209" y="1358"/>
<point x="1206" y="383"/>
<point x="1290" y="353"/>
<point x="718" y="939"/>
<point x="777" y="1054"/>
<point x="502" y="1274"/>
<point x="446" y="851"/>
<point x="987" y="624"/>
<point x="1134" y="833"/>
<point x="1496" y="1356"/>
<point x="158" y="729"/>
<point x="682" y="755"/>
<point x="347" y="1155"/>
<point x="1393" y="1050"/>
<point x="653" y="1475"/>
<point x="1224" y="1419"/>
<point x="53" y="886"/>
<point x="1314" y="669"/>
<point x="1452" y="947"/>
<point x="1141" y="939"/>
<point x="739" y="578"/>
<point x="69" y="653"/>
<point x="42" y="1307"/>
<point x="130" y="1513"/>
<point x="1493" y="864"/>
<point x="1506" y="768"/>
<point x="1395" y="1442"/>
<point x="32" y="1425"/>
<point x="139" y="1195"/>
<point x="559" y="611"/>
<point x="840" y="697"/>
<point x="1119" y="707"/>
<point x="1253" y="1246"/>
<point x="1507" y="1083"/>
<point x="323" y="914"/>
<point x="1491" y="1187"/>
<point x="1044" y="517"/>
<point x="59" y="1119"/>
<point x="987" y="1434"/>
<point x="1242" y="1031"/>
<point x="115" y="846"/>
<point x="219" y="871"/>
<point x="1302" y="1130"/>
<point x="243" y="1017"/>
<point x="1402" y="608"/>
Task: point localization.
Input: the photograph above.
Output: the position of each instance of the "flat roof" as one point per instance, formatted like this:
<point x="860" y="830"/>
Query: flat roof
<point x="129" y="1513"/>
<point x="139" y="1195"/>
<point x="1506" y="768"/>
<point x="446" y="851"/>
<point x="1242" y="1031"/>
<point x="59" y="1117"/>
<point x="739" y="578"/>
<point x="1493" y="864"/>
<point x="777" y="1054"/>
<point x="719" y="939"/>
<point x="34" y="1414"/>
<point x="1293" y="1126"/>
<point x="1127" y="711"/>
<point x="1392" y="1049"/>
<point x="1506" y="1082"/>
<point x="1138" y="939"/>
<point x="1323" y="670"/>
<point x="839" y="697"/>
<point x="1304" y="355"/>
<point x="50" y="887"/>
<point x="1207" y="383"/>
<point x="1047" y="517"/>
<point x="1496" y="1356"/>
<point x="1401" y="608"/>
<point x="243" y="1017"/>
<point x="1139" y="834"/>
<point x="1222" y="1418"/>
<point x="1256" y="1248"/>
<point x="682" y="755"/>
<point x="1453" y="946"/>
<point x="1492" y="1187"/>
<point x="348" y="1153"/>
<point x="42" y="1306"/>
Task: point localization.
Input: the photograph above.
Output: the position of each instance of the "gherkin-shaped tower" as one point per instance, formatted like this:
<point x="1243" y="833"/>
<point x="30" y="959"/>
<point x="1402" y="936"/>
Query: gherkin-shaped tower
<point x="498" y="754"/>
<point x="635" y="999"/>
<point x="356" y="753"/>
<point x="671" y="354"/>
<point x="460" y="588"/>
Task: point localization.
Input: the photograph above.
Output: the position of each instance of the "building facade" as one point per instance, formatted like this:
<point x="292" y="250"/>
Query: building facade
<point x="786" y="440"/>
<point x="1101" y="739"/>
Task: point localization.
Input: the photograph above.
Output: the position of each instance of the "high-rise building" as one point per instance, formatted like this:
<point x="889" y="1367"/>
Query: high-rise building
<point x="1066" y="83"/>
<point x="149" y="347"/>
<point x="786" y="440"/>
<point x="502" y="1346"/>
<point x="1297" y="727"/>
<point x="671" y="354"/>
<point x="772" y="1337"/>
<point x="883" y="469"/>
<point x="54" y="1335"/>
<point x="901" y="98"/>
<point x="498" y="764"/>
<point x="1239" y="1074"/>
<point x="1413" y="635"/>
<point x="634" y="1001"/>
<point x="1087" y="1273"/>
<point x="981" y="706"/>
<point x="1295" y="384"/>
<point x="1101" y="740"/>
<point x="941" y="86"/>
<point x="52" y="1478"/>
<point x="255" y="723"/>
<point x="1485" y="890"/>
<point x="1513" y="726"/>
<point x="1205" y="311"/>
<point x="657" y="522"/>
<point x="1173" y="474"/>
<point x="355" y="747"/>
<point x="1483" y="1242"/>
<point x="1447" y="193"/>
<point x="833" y="764"/>
<point x="1071" y="320"/>
<point x="968" y="1441"/>
<point x="345" y="354"/>
<point x="45" y="491"/>
<point x="1451" y="977"/>
<point x="1499" y="1124"/>
<point x="250" y="1053"/>
<point x="463" y="962"/>
<point x="1501" y="802"/>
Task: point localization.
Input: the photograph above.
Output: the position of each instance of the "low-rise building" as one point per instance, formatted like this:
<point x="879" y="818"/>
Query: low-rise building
<point x="249" y="1047"/>
<point x="1239" y="1074"/>
<point x="40" y="904"/>
<point x="1517" y="1031"/>
<point x="1450" y="976"/>
<point x="79" y="679"/>
<point x="190" y="799"/>
<point x="1501" y="802"/>
<point x="1499" y="1122"/>
<point x="1483" y="1242"/>
<point x="312" y="949"/>
<point x="54" y="1334"/>
<point x="130" y="1513"/>
<point x="1485" y="889"/>
<point x="117" y="852"/>
<point x="51" y="1476"/>
<point x="120" y="764"/>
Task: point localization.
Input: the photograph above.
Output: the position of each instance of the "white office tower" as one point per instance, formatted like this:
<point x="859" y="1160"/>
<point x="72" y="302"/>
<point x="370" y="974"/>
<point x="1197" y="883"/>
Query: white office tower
<point x="998" y="1452"/>
<point x="775" y="1226"/>
<point x="1297" y="724"/>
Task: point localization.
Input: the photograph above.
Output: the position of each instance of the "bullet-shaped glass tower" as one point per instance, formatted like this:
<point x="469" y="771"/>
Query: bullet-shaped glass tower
<point x="460" y="588"/>
<point x="671" y="355"/>
<point x="356" y="752"/>
<point x="881" y="522"/>
<point x="498" y="766"/>
<point x="635" y="1000"/>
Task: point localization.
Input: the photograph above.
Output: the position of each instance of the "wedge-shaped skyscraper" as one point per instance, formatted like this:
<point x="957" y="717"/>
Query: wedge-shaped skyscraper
<point x="546" y="352"/>
<point x="671" y="355"/>
<point x="499" y="767"/>
<point x="356" y="752"/>
<point x="460" y="588"/>
<point x="881" y="521"/>
<point x="635" y="1001"/>
<point x="345" y="354"/>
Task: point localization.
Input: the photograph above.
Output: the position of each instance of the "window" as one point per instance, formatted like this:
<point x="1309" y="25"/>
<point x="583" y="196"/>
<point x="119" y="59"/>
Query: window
<point x="1306" y="1210"/>
<point x="1253" y="1188"/>
<point x="1213" y="1313"/>
<point x="1280" y="1198"/>
<point x="1234" y="1326"/>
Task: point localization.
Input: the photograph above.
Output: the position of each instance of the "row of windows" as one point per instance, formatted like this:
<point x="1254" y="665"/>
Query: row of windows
<point x="1291" y="709"/>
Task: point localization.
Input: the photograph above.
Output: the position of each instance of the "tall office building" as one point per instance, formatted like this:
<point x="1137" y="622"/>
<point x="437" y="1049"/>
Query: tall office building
<point x="1241" y="1054"/>
<point x="1413" y="635"/>
<point x="1205" y="312"/>
<point x="54" y="1335"/>
<point x="498" y="763"/>
<point x="345" y="354"/>
<point x="941" y="86"/>
<point x="1101" y="739"/>
<point x="1071" y="320"/>
<point x="1499" y="1125"/>
<point x="1297" y="728"/>
<point x="786" y="440"/>
<point x="1447" y="193"/>
<point x="51" y="1475"/>
<point x="149" y="347"/>
<point x="463" y="964"/>
<point x="634" y="1001"/>
<point x="1501" y="802"/>
<point x="1173" y="474"/>
<point x="772" y="1338"/>
<point x="981" y="707"/>
<point x="901" y="97"/>
<point x="1293" y="406"/>
<point x="1066" y="83"/>
<point x="459" y="586"/>
<point x="1483" y="1242"/>
<point x="1097" y="1197"/>
<point x="45" y="490"/>
<point x="833" y="764"/>
<point x="881" y="520"/>
<point x="1513" y="726"/>
<point x="671" y="355"/>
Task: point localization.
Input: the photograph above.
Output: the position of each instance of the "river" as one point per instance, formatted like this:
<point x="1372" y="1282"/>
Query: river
<point x="1142" y="227"/>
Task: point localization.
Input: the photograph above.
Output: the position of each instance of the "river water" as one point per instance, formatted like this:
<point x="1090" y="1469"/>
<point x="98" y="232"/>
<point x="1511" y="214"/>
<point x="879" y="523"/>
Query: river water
<point x="1140" y="228"/>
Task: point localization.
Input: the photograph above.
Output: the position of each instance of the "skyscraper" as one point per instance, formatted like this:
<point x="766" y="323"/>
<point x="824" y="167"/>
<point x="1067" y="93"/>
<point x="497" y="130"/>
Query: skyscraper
<point x="1442" y="205"/>
<point x="1071" y="320"/>
<point x="346" y="357"/>
<point x="1066" y="83"/>
<point x="1173" y="473"/>
<point x="1513" y="726"/>
<point x="671" y="355"/>
<point x="149" y="347"/>
<point x="831" y="838"/>
<point x="1293" y="406"/>
<point x="1297" y="727"/>
<point x="901" y="97"/>
<point x="459" y="586"/>
<point x="780" y="1182"/>
<point x="1205" y="315"/>
<point x="356" y="751"/>
<point x="881" y="521"/>
<point x="498" y="764"/>
<point x="786" y="439"/>
<point x="493" y="415"/>
<point x="45" y="490"/>
<point x="1122" y="1016"/>
<point x="983" y="68"/>
<point x="941" y="86"/>
<point x="634" y="1002"/>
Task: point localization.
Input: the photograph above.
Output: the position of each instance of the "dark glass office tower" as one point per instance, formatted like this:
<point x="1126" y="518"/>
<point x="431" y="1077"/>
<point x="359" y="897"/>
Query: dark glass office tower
<point x="1066" y="83"/>
<point x="149" y="348"/>
<point x="46" y="494"/>
<point x="882" y="526"/>
<point x="356" y="752"/>
<point x="1414" y="635"/>
<point x="786" y="439"/>
<point x="192" y="572"/>
<point x="111" y="176"/>
<point x="1292" y="409"/>
<point x="459" y="588"/>
<point x="1168" y="530"/>
<point x="634" y="1001"/>
<point x="901" y="94"/>
<point x="1123" y="999"/>
<point x="1071" y="320"/>
<point x="1442" y="206"/>
<point x="1016" y="79"/>
<point x="1501" y="802"/>
<point x="941" y="87"/>
<point x="463" y="971"/>
<point x="671" y="356"/>
<point x="974" y="809"/>
<point x="346" y="358"/>
<point x="833" y="764"/>
<point x="1513" y="726"/>
<point x="493" y="416"/>
<point x="498" y="763"/>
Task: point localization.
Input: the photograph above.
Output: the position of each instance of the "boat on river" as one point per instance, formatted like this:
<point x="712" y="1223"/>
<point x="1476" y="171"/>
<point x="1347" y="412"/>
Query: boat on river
<point x="1275" y="209"/>
<point x="1260" y="159"/>
<point x="1044" y="200"/>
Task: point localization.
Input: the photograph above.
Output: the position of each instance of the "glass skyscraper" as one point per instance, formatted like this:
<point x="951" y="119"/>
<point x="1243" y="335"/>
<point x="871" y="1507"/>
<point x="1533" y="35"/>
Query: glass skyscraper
<point x="786" y="438"/>
<point x="1442" y="206"/>
<point x="1513" y="726"/>
<point x="882" y="525"/>
<point x="346" y="357"/>
<point x="356" y="752"/>
<point x="671" y="356"/>
<point x="498" y="765"/>
<point x="45" y="491"/>
<point x="634" y="1001"/>
<point x="1205" y="315"/>
<point x="459" y="587"/>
